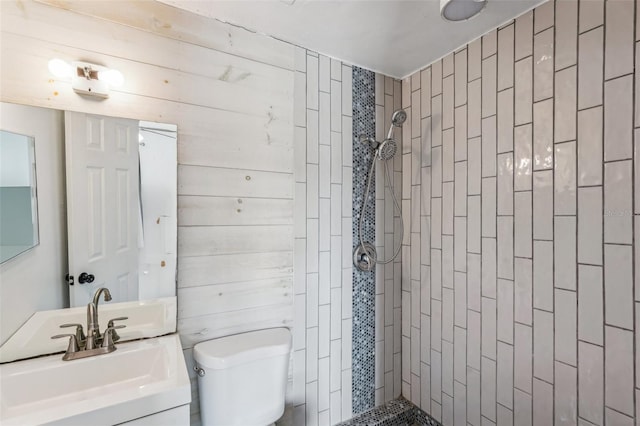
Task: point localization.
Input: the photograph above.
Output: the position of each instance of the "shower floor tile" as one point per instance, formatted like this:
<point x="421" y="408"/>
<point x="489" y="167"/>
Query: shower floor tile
<point x="398" y="412"/>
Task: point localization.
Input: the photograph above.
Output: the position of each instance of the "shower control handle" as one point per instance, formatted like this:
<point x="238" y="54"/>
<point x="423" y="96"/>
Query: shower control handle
<point x="364" y="258"/>
<point x="364" y="264"/>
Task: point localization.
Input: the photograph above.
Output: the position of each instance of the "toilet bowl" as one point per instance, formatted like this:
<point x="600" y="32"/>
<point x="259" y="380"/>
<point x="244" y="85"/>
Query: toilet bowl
<point x="242" y="378"/>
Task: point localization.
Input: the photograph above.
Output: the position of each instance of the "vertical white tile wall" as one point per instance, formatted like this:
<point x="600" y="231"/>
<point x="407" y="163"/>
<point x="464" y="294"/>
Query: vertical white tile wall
<point x="321" y="391"/>
<point x="523" y="168"/>
<point x="388" y="285"/>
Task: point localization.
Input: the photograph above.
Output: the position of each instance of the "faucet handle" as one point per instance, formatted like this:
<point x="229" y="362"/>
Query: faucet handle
<point x="80" y="337"/>
<point x="108" y="338"/>
<point x="114" y="334"/>
<point x="116" y="319"/>
<point x="73" y="342"/>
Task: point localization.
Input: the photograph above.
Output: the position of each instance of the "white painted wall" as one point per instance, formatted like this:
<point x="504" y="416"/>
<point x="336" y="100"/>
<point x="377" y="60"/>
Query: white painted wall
<point x="15" y="161"/>
<point x="34" y="280"/>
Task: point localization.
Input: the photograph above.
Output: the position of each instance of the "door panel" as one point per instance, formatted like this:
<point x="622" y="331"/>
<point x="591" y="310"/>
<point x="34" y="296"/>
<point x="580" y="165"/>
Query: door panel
<point x="103" y="205"/>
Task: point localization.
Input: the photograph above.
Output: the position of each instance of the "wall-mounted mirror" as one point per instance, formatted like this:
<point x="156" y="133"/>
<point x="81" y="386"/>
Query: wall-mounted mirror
<point x="18" y="202"/>
<point x="107" y="204"/>
<point x="121" y="207"/>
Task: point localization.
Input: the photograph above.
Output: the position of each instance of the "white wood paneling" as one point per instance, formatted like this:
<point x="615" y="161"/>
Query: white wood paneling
<point x="212" y="240"/>
<point x="208" y="270"/>
<point x="196" y="210"/>
<point x="225" y="88"/>
<point x="228" y="297"/>
<point x="194" y="180"/>
<point x="247" y="151"/>
<point x="170" y="22"/>
<point x="206" y="327"/>
<point x="230" y="92"/>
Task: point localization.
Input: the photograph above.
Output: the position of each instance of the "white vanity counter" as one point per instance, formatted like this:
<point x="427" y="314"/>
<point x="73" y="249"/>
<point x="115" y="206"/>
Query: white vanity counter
<point x="139" y="379"/>
<point x="147" y="318"/>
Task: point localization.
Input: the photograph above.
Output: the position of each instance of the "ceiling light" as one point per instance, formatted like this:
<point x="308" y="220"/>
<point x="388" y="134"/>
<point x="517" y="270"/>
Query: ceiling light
<point x="86" y="78"/>
<point x="461" y="10"/>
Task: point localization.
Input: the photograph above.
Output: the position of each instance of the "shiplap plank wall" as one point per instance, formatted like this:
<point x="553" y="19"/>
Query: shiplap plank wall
<point x="230" y="93"/>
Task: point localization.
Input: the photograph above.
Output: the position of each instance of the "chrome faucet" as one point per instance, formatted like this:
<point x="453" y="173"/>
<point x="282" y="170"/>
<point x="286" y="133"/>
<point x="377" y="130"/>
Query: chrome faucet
<point x="95" y="343"/>
<point x="93" y="325"/>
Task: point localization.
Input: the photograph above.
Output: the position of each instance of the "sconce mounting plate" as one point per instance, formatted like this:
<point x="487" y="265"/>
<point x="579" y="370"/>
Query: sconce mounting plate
<point x="84" y="79"/>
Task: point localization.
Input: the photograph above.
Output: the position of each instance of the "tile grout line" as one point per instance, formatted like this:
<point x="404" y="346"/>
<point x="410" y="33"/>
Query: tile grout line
<point x="602" y="201"/>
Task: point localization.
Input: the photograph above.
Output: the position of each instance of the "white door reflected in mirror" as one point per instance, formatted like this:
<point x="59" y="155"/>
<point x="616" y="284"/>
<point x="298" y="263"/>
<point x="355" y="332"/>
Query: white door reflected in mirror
<point x="121" y="207"/>
<point x="103" y="206"/>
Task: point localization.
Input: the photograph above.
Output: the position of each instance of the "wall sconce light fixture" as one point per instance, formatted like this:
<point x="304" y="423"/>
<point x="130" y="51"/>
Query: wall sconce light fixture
<point x="86" y="78"/>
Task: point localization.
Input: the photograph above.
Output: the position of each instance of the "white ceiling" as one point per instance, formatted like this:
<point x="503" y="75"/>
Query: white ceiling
<point x="394" y="37"/>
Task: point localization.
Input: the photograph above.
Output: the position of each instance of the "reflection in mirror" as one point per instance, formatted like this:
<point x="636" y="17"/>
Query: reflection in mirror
<point x="18" y="203"/>
<point x="158" y="152"/>
<point x="35" y="280"/>
<point x="121" y="207"/>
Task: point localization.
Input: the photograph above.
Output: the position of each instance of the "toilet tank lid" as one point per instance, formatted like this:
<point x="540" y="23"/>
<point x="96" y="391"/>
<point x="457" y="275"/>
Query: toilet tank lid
<point x="238" y="349"/>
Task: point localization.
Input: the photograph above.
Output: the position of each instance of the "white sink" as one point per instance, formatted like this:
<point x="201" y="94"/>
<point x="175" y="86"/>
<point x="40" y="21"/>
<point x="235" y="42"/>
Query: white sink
<point x="139" y="379"/>
<point x="146" y="318"/>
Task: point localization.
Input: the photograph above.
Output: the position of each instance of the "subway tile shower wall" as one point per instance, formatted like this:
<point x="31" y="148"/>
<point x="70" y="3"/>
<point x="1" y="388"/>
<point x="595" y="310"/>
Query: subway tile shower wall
<point x="518" y="267"/>
<point x="388" y="359"/>
<point x="333" y="369"/>
<point x="322" y="330"/>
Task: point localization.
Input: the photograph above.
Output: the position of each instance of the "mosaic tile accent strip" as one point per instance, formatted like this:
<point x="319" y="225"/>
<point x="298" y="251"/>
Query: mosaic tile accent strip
<point x="363" y="352"/>
<point x="397" y="412"/>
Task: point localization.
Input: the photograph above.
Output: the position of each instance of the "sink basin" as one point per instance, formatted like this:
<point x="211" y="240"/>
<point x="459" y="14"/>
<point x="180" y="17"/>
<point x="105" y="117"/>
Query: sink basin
<point x="140" y="378"/>
<point x="147" y="318"/>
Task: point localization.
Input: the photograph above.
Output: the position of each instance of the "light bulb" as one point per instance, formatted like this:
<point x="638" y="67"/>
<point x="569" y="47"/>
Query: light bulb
<point x="60" y="68"/>
<point x="112" y="77"/>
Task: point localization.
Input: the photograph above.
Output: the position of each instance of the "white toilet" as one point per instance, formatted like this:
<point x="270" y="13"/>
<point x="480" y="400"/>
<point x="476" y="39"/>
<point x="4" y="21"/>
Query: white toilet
<point x="242" y="378"/>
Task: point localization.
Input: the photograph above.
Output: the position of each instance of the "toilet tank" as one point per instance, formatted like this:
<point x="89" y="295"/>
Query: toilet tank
<point x="245" y="377"/>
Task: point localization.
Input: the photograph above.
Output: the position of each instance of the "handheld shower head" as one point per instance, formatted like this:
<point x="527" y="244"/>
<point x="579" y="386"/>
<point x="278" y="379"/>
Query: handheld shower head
<point x="387" y="149"/>
<point x="398" y="117"/>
